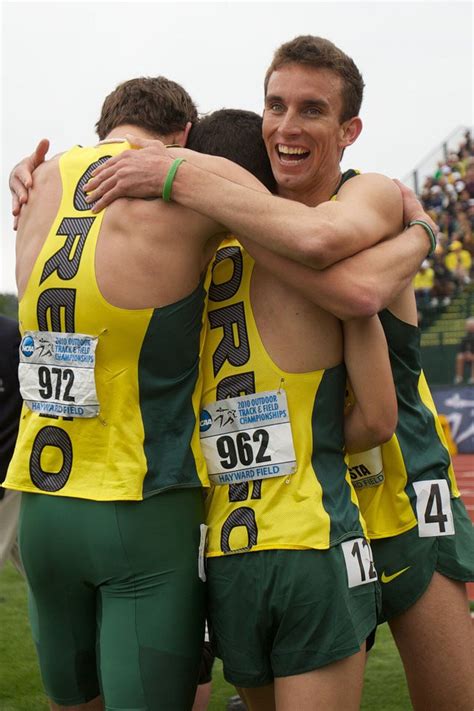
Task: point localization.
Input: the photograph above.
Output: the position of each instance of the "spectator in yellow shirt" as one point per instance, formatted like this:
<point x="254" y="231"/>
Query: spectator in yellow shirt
<point x="423" y="284"/>
<point x="459" y="262"/>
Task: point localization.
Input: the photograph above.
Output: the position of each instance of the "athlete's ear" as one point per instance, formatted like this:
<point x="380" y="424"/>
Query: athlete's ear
<point x="180" y="138"/>
<point x="187" y="129"/>
<point x="350" y="131"/>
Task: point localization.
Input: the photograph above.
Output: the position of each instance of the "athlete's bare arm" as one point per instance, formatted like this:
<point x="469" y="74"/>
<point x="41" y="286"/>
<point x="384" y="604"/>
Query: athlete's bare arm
<point x="148" y="254"/>
<point x="373" y="417"/>
<point x="171" y="245"/>
<point x="21" y="178"/>
<point x="38" y="209"/>
<point x="368" y="208"/>
<point x="369" y="281"/>
<point x="360" y="286"/>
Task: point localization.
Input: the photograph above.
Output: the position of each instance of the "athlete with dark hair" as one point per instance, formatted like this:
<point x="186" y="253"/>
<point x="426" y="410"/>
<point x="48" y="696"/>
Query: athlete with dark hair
<point x="424" y="538"/>
<point x="353" y="287"/>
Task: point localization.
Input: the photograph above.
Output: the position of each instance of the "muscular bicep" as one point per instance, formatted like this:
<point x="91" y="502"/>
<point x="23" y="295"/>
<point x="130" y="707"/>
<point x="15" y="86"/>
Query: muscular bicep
<point x="341" y="289"/>
<point x="368" y="210"/>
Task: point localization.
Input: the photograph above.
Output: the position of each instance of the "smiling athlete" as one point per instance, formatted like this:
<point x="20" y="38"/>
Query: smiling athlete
<point x="313" y="96"/>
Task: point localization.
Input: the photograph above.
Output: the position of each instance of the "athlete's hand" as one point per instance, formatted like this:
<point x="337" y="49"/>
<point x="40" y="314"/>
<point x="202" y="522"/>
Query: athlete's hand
<point x="412" y="207"/>
<point x="133" y="173"/>
<point x="21" y="178"/>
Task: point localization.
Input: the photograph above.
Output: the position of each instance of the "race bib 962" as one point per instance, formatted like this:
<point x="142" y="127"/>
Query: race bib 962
<point x="248" y="438"/>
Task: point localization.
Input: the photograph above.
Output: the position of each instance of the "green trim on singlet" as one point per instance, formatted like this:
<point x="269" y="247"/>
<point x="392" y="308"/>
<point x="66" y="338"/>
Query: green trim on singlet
<point x="347" y="175"/>
<point x="424" y="454"/>
<point x="328" y="461"/>
<point x="168" y="371"/>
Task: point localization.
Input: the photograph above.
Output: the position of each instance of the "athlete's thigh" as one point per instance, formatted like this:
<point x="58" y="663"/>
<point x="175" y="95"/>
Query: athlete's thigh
<point x="238" y="618"/>
<point x="282" y="613"/>
<point x="152" y="617"/>
<point x="321" y="619"/>
<point x="406" y="563"/>
<point x="333" y="687"/>
<point x="262" y="698"/>
<point x="62" y="607"/>
<point x="94" y="705"/>
<point x="435" y="640"/>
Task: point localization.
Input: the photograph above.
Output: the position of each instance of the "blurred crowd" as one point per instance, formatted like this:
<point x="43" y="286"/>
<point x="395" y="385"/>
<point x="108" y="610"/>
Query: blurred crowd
<point x="448" y="196"/>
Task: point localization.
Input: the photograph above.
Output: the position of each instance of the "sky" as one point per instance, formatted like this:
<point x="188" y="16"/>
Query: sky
<point x="60" y="59"/>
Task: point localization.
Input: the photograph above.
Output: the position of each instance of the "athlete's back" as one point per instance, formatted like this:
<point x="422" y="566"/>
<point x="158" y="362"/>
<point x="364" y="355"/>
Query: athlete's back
<point x="129" y="279"/>
<point x="148" y="254"/>
<point x="111" y="306"/>
<point x="136" y="306"/>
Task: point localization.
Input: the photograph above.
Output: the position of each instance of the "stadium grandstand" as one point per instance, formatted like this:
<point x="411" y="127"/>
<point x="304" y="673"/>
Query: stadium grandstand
<point x="444" y="285"/>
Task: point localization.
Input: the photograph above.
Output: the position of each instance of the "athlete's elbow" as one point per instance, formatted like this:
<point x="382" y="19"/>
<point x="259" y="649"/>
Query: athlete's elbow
<point x="386" y="430"/>
<point x="366" y="303"/>
<point x="361" y="302"/>
<point x="381" y="426"/>
<point x="370" y="296"/>
<point x="317" y="245"/>
<point x="312" y="252"/>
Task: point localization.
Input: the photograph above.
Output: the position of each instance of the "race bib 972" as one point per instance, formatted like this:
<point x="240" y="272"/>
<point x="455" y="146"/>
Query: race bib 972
<point x="248" y="438"/>
<point x="56" y="373"/>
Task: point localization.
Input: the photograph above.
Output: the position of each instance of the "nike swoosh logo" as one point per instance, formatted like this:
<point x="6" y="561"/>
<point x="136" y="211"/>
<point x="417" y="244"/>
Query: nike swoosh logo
<point x="388" y="578"/>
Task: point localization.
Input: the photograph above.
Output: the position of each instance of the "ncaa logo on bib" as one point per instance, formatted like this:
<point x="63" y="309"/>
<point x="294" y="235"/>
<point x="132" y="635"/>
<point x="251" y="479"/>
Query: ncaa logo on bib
<point x="27" y="346"/>
<point x="206" y="421"/>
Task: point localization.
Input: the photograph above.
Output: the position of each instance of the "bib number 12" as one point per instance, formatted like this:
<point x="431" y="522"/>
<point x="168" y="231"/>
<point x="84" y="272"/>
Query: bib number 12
<point x="359" y="562"/>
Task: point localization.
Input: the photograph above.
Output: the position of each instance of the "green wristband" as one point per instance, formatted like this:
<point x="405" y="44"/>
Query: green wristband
<point x="429" y="230"/>
<point x="168" y="184"/>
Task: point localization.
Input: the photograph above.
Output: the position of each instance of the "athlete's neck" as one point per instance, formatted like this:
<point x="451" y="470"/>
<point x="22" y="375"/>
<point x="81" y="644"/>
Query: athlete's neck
<point x="119" y="132"/>
<point x="322" y="189"/>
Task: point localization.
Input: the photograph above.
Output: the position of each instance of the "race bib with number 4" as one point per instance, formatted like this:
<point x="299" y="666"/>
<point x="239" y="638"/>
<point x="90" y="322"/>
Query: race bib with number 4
<point x="56" y="373"/>
<point x="248" y="438"/>
<point x="433" y="508"/>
